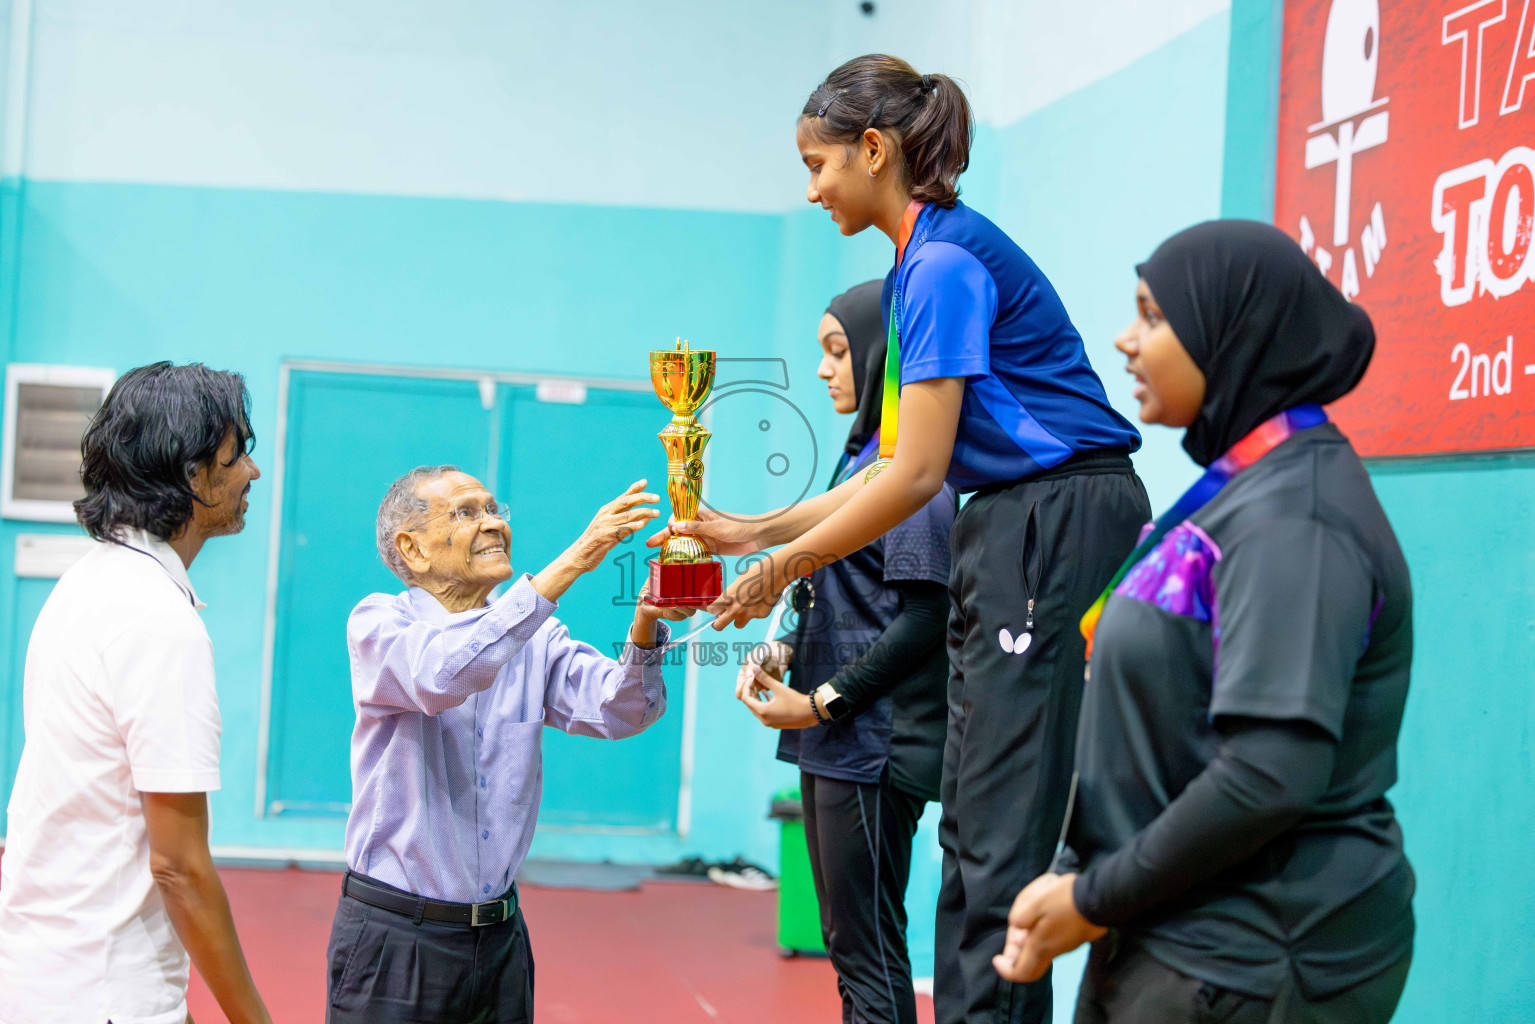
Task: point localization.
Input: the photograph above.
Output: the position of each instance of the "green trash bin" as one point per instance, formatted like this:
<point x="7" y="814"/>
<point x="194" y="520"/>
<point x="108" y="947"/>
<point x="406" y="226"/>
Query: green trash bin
<point x="799" y="915"/>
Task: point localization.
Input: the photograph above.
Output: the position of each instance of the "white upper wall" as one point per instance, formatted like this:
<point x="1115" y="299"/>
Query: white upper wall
<point x="1015" y="56"/>
<point x="673" y="103"/>
<point x="664" y="103"/>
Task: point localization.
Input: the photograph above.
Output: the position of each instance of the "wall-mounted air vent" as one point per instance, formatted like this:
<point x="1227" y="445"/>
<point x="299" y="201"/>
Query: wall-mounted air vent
<point x="46" y="411"/>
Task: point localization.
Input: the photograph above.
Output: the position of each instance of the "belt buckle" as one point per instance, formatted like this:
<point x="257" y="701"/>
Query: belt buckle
<point x="474" y="913"/>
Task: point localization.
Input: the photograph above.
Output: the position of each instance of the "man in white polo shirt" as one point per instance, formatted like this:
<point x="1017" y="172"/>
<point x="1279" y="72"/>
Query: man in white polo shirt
<point x="107" y="882"/>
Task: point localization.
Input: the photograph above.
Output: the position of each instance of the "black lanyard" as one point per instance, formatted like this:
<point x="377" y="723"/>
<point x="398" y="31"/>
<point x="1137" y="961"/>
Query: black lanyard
<point x="190" y="599"/>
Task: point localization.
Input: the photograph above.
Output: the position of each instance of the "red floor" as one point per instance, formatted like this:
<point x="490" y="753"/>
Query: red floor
<point x="669" y="954"/>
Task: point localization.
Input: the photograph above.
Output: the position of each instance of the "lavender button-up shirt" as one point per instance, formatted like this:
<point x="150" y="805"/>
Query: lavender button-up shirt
<point x="447" y="765"/>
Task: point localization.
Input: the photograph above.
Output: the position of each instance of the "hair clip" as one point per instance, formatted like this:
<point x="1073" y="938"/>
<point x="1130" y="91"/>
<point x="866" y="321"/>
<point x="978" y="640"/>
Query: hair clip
<point x="873" y="122"/>
<point x="827" y="105"/>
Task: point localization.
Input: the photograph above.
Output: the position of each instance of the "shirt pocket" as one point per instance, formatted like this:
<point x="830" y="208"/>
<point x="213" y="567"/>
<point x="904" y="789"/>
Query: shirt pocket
<point x="519" y="760"/>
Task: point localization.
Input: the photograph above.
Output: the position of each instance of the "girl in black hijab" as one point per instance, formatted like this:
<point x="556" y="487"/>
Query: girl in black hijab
<point x="868" y="636"/>
<point x="1232" y="851"/>
<point x="855" y="314"/>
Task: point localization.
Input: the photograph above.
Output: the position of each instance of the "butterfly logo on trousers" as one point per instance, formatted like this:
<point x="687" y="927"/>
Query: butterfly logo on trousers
<point x="1015" y="645"/>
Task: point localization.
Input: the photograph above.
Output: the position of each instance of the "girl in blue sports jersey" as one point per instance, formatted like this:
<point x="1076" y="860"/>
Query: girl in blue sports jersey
<point x="989" y="388"/>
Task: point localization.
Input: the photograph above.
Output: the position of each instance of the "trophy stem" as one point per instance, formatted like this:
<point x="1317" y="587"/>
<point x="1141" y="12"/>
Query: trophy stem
<point x="684" y="444"/>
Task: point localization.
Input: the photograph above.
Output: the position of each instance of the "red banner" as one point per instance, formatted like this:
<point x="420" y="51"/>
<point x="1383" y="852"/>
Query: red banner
<point x="1403" y="170"/>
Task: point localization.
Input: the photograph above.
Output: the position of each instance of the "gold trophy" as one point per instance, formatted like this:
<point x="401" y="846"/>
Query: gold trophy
<point x="686" y="573"/>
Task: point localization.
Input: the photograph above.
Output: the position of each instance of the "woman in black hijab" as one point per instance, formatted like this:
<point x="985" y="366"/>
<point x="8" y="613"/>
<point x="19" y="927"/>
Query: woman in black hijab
<point x="865" y="707"/>
<point x="1232" y="851"/>
<point x="856" y="316"/>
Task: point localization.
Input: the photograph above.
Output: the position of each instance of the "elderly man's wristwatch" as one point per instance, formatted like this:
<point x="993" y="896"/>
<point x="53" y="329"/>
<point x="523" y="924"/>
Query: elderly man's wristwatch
<point x="832" y="701"/>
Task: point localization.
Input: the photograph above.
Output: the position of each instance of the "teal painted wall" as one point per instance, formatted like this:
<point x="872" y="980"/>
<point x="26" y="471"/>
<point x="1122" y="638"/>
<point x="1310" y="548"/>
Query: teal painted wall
<point x="1466" y="794"/>
<point x="1467" y="752"/>
<point x="1252" y="110"/>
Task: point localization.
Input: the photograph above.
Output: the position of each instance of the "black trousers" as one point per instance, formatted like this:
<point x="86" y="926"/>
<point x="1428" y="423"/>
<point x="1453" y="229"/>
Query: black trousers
<point x="1126" y="985"/>
<point x="386" y="968"/>
<point x="1013" y="716"/>
<point x="860" y="858"/>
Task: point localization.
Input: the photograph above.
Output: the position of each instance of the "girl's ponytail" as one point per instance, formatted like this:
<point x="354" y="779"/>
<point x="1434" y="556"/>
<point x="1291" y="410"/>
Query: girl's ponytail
<point x="928" y="117"/>
<point x="937" y="145"/>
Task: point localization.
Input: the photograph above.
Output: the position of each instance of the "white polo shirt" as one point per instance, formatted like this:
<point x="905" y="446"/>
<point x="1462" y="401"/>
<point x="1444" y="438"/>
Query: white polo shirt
<point x="118" y="700"/>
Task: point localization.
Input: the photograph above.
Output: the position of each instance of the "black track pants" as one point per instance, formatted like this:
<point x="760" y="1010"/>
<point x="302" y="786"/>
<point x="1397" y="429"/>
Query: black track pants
<point x="1013" y="714"/>
<point x="1126" y="985"/>
<point x="860" y="836"/>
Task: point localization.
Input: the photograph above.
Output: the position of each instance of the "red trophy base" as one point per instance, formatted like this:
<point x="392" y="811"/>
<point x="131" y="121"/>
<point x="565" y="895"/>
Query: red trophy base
<point x="697" y="583"/>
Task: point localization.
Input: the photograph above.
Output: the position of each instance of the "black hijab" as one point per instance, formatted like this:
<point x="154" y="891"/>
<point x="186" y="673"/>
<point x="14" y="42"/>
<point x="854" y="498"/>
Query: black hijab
<point x="1258" y="318"/>
<point x="863" y="321"/>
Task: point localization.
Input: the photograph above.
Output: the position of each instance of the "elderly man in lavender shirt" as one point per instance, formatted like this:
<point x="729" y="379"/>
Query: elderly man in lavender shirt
<point x="452" y="692"/>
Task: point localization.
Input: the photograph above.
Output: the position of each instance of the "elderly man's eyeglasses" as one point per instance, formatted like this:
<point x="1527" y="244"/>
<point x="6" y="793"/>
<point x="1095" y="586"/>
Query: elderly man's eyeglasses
<point x="468" y="514"/>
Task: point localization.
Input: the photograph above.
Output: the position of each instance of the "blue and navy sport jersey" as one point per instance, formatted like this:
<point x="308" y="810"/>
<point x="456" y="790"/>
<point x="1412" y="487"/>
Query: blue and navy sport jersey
<point x="974" y="305"/>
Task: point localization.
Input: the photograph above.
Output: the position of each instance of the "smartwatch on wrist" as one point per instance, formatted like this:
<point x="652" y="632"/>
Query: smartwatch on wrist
<point x="834" y="703"/>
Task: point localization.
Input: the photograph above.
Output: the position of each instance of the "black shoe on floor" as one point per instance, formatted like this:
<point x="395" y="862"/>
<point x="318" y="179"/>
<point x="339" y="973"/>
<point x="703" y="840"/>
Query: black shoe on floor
<point x="691" y="869"/>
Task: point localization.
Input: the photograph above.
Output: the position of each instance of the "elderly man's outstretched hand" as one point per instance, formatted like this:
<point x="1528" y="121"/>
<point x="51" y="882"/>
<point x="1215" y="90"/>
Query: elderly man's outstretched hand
<point x="612" y="523"/>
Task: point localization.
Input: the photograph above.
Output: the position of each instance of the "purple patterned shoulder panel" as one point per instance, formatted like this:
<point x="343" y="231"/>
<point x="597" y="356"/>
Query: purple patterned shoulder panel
<point x="1175" y="575"/>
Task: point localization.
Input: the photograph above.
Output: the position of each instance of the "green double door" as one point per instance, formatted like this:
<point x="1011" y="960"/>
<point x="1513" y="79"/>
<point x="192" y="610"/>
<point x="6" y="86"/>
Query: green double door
<point x="349" y="435"/>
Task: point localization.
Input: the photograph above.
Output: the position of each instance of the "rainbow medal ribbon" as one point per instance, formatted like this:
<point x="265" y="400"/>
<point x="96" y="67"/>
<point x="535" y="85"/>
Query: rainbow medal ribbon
<point x="890" y="403"/>
<point x="1267" y="436"/>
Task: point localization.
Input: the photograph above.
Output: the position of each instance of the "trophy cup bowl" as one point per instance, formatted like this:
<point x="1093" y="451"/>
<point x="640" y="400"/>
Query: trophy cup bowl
<point x="682" y="380"/>
<point x="686" y="573"/>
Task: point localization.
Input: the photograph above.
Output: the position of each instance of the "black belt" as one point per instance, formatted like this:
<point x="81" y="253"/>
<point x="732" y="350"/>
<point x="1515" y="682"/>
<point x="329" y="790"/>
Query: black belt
<point x="386" y="897"/>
